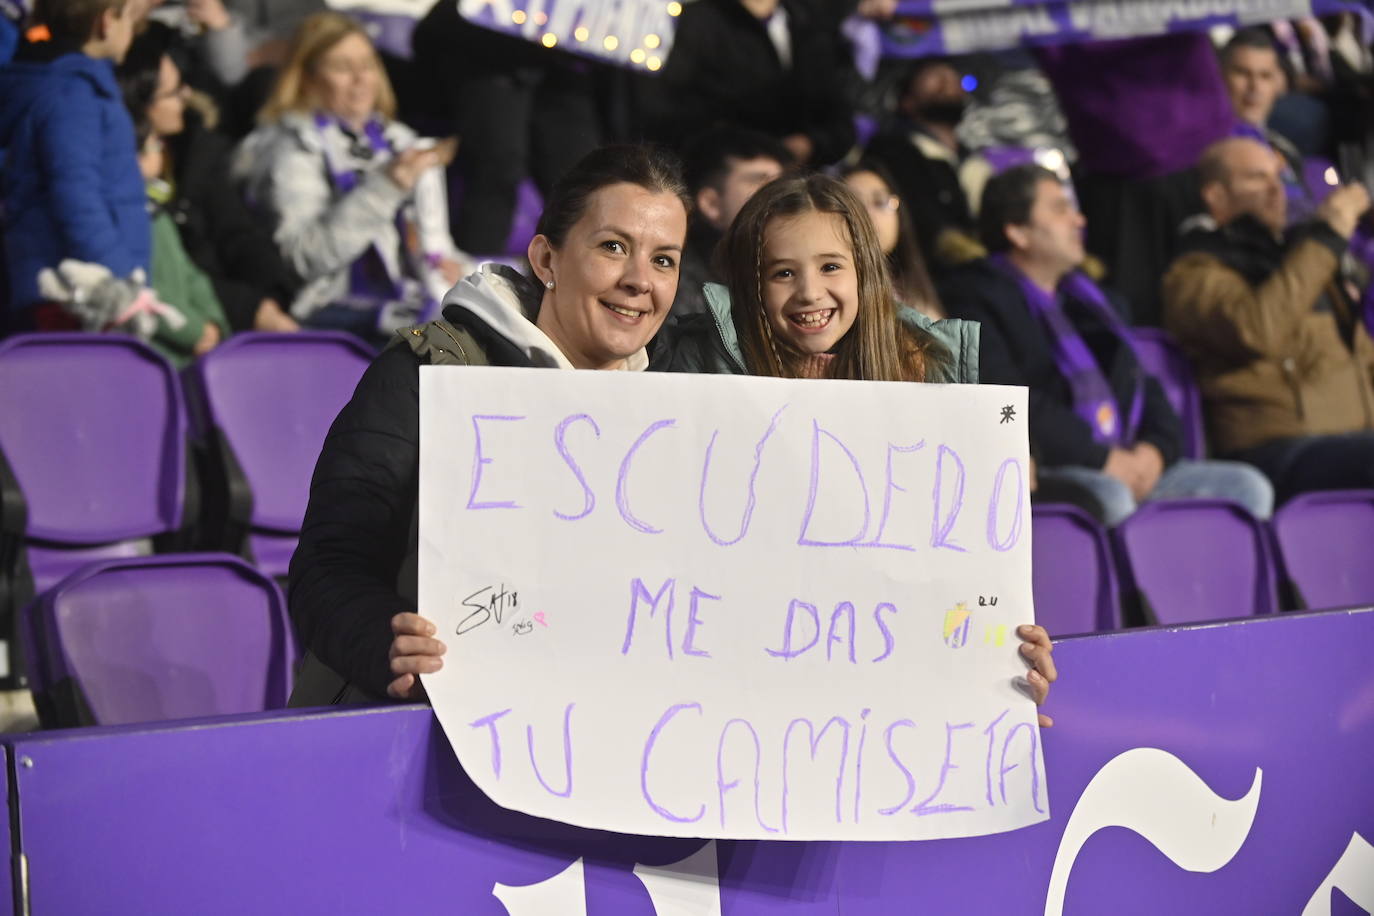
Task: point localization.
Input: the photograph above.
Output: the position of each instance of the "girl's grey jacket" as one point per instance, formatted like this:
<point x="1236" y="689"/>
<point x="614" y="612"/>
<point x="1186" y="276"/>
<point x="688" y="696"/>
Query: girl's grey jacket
<point x="708" y="342"/>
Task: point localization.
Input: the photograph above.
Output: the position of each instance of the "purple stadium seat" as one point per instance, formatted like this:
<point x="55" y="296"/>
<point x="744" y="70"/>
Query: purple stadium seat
<point x="1165" y="361"/>
<point x="167" y="637"/>
<point x="1198" y="559"/>
<point x="268" y="401"/>
<point x="93" y="434"/>
<point x="1072" y="572"/>
<point x="1325" y="541"/>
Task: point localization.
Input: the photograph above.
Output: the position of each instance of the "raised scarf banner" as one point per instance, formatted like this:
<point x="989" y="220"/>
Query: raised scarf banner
<point x="639" y="33"/>
<point x="924" y="28"/>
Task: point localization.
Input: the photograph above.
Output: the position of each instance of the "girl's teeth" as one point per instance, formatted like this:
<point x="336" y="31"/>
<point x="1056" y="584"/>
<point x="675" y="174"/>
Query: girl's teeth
<point x="620" y="311"/>
<point x="813" y="319"/>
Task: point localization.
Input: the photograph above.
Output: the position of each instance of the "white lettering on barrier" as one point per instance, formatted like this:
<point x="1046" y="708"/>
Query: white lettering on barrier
<point x="1353" y="874"/>
<point x="1158" y="796"/>
<point x="732" y="607"/>
<point x="690" y="887"/>
<point x="565" y="894"/>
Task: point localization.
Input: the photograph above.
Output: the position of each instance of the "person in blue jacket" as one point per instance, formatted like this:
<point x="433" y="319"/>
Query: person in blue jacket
<point x="11" y="22"/>
<point x="70" y="186"/>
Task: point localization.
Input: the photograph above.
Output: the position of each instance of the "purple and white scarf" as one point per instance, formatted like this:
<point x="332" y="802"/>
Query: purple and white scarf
<point x="370" y="284"/>
<point x="1093" y="398"/>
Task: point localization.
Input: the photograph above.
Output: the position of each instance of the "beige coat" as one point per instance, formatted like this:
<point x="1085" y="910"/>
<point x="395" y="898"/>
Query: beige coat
<point x="1270" y="366"/>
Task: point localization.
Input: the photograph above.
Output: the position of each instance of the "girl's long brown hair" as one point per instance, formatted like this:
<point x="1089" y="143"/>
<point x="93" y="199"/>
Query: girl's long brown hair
<point x="879" y="346"/>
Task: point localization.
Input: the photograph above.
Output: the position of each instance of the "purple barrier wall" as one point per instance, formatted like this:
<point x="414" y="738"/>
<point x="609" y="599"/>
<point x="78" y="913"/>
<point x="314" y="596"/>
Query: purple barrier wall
<point x="6" y="845"/>
<point x="367" y="811"/>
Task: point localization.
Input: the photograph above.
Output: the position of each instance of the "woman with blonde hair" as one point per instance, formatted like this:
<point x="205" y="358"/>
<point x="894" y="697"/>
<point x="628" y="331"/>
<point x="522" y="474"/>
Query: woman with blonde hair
<point x="357" y="198"/>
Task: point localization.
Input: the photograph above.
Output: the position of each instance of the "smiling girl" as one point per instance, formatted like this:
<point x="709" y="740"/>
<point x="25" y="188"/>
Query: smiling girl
<point x="810" y="297"/>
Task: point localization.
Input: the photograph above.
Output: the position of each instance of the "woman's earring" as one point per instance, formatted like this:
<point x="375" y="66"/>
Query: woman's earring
<point x="549" y="284"/>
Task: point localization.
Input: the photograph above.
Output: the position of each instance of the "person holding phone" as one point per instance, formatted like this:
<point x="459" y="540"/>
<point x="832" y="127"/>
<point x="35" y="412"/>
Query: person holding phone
<point x="357" y="199"/>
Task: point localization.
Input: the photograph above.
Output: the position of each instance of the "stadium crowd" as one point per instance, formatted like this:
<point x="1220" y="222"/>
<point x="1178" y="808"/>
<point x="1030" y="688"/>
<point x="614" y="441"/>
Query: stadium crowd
<point x="186" y="171"/>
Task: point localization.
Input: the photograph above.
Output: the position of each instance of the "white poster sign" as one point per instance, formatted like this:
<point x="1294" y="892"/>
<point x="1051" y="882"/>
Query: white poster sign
<point x="712" y="606"/>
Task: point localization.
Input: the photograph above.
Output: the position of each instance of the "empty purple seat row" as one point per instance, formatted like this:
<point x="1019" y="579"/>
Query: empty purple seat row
<point x="1194" y="560"/>
<point x="164" y="637"/>
<point x="96" y="443"/>
<point x="264" y="403"/>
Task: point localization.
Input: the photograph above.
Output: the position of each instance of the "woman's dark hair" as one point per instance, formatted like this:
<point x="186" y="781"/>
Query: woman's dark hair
<point x="706" y="160"/>
<point x="650" y="167"/>
<point x="907" y="267"/>
<point x="1007" y="201"/>
<point x="139" y="72"/>
<point x="879" y="347"/>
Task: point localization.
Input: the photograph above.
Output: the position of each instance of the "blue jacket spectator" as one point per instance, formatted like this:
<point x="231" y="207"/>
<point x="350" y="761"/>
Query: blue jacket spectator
<point x="70" y="185"/>
<point x="11" y="21"/>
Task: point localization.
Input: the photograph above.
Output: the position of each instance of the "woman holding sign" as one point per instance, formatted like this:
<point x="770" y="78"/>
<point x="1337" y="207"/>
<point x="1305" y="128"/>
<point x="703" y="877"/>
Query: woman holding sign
<point x="605" y="268"/>
<point x="809" y="296"/>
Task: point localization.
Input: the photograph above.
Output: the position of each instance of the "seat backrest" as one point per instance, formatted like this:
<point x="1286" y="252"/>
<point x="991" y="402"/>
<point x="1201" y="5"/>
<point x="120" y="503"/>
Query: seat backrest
<point x="1197" y="559"/>
<point x="1163" y="359"/>
<point x="94" y="430"/>
<point x="1325" y="542"/>
<point x="274" y="397"/>
<point x="1072" y="572"/>
<point x="173" y="636"/>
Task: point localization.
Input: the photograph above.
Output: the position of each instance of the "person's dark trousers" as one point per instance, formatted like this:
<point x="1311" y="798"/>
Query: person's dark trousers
<point x="530" y="122"/>
<point x="1300" y="465"/>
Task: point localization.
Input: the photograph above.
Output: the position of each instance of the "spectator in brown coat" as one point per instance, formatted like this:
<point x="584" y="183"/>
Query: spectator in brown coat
<point x="1285" y="365"/>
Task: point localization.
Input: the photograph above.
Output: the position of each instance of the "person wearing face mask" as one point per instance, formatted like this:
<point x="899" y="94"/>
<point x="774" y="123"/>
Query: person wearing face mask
<point x="1103" y="432"/>
<point x="356" y="198"/>
<point x="604" y="270"/>
<point x="921" y="151"/>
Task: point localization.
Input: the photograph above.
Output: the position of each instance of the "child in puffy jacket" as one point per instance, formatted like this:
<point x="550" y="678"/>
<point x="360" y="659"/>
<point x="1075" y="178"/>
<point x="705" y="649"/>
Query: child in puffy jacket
<point x="70" y="184"/>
